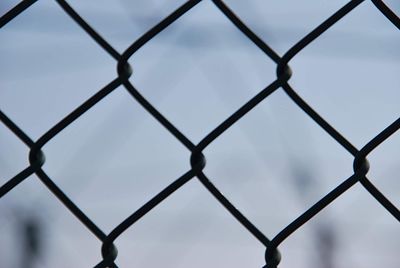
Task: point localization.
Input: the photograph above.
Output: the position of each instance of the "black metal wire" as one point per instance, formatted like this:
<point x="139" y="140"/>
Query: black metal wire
<point x="197" y="160"/>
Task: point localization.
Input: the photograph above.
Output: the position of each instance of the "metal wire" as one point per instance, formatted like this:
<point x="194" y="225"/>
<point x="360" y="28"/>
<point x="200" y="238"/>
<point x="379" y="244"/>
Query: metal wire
<point x="198" y="162"/>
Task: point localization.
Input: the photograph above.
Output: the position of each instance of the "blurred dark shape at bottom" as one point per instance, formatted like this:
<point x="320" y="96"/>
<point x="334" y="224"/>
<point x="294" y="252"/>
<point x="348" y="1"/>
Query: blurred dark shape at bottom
<point x="32" y="240"/>
<point x="325" y="240"/>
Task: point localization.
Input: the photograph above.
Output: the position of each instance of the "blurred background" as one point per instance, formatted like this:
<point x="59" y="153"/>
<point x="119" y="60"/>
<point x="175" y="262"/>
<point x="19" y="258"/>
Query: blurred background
<point x="273" y="164"/>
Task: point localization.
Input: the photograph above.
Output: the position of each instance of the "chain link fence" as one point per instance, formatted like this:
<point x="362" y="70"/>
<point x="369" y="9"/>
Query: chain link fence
<point x="198" y="159"/>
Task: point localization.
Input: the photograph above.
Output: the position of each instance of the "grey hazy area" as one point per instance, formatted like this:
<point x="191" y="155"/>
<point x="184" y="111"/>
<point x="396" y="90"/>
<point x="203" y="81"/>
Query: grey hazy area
<point x="273" y="164"/>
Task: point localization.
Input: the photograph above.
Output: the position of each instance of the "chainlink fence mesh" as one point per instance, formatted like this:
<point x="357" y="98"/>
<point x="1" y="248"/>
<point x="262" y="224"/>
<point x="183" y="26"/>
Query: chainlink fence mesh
<point x="198" y="159"/>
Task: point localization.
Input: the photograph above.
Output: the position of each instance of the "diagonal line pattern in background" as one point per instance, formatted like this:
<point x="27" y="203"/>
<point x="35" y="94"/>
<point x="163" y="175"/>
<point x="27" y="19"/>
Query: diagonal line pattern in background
<point x="197" y="160"/>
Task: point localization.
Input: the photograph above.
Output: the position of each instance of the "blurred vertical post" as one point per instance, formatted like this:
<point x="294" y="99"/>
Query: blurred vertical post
<point x="31" y="236"/>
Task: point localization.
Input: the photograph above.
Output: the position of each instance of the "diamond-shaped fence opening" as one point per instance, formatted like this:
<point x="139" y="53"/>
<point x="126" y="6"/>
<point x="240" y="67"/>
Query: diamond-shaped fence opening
<point x="214" y="64"/>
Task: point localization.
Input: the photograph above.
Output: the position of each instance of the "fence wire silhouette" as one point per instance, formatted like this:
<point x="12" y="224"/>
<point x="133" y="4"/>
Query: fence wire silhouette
<point x="198" y="160"/>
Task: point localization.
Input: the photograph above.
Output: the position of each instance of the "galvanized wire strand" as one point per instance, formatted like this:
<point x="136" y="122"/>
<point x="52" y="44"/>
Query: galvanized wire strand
<point x="124" y="69"/>
<point x="246" y="30"/>
<point x="36" y="149"/>
<point x="233" y="210"/>
<point x="85" y="26"/>
<point x="157" y="199"/>
<point x="155" y="113"/>
<point x="305" y="41"/>
<point x="389" y="14"/>
<point x="122" y="63"/>
<point x="158" y="116"/>
<point x="21" y="176"/>
<point x="15" y="11"/>
<point x="198" y="160"/>
<point x="16" y="130"/>
<point x="360" y="169"/>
